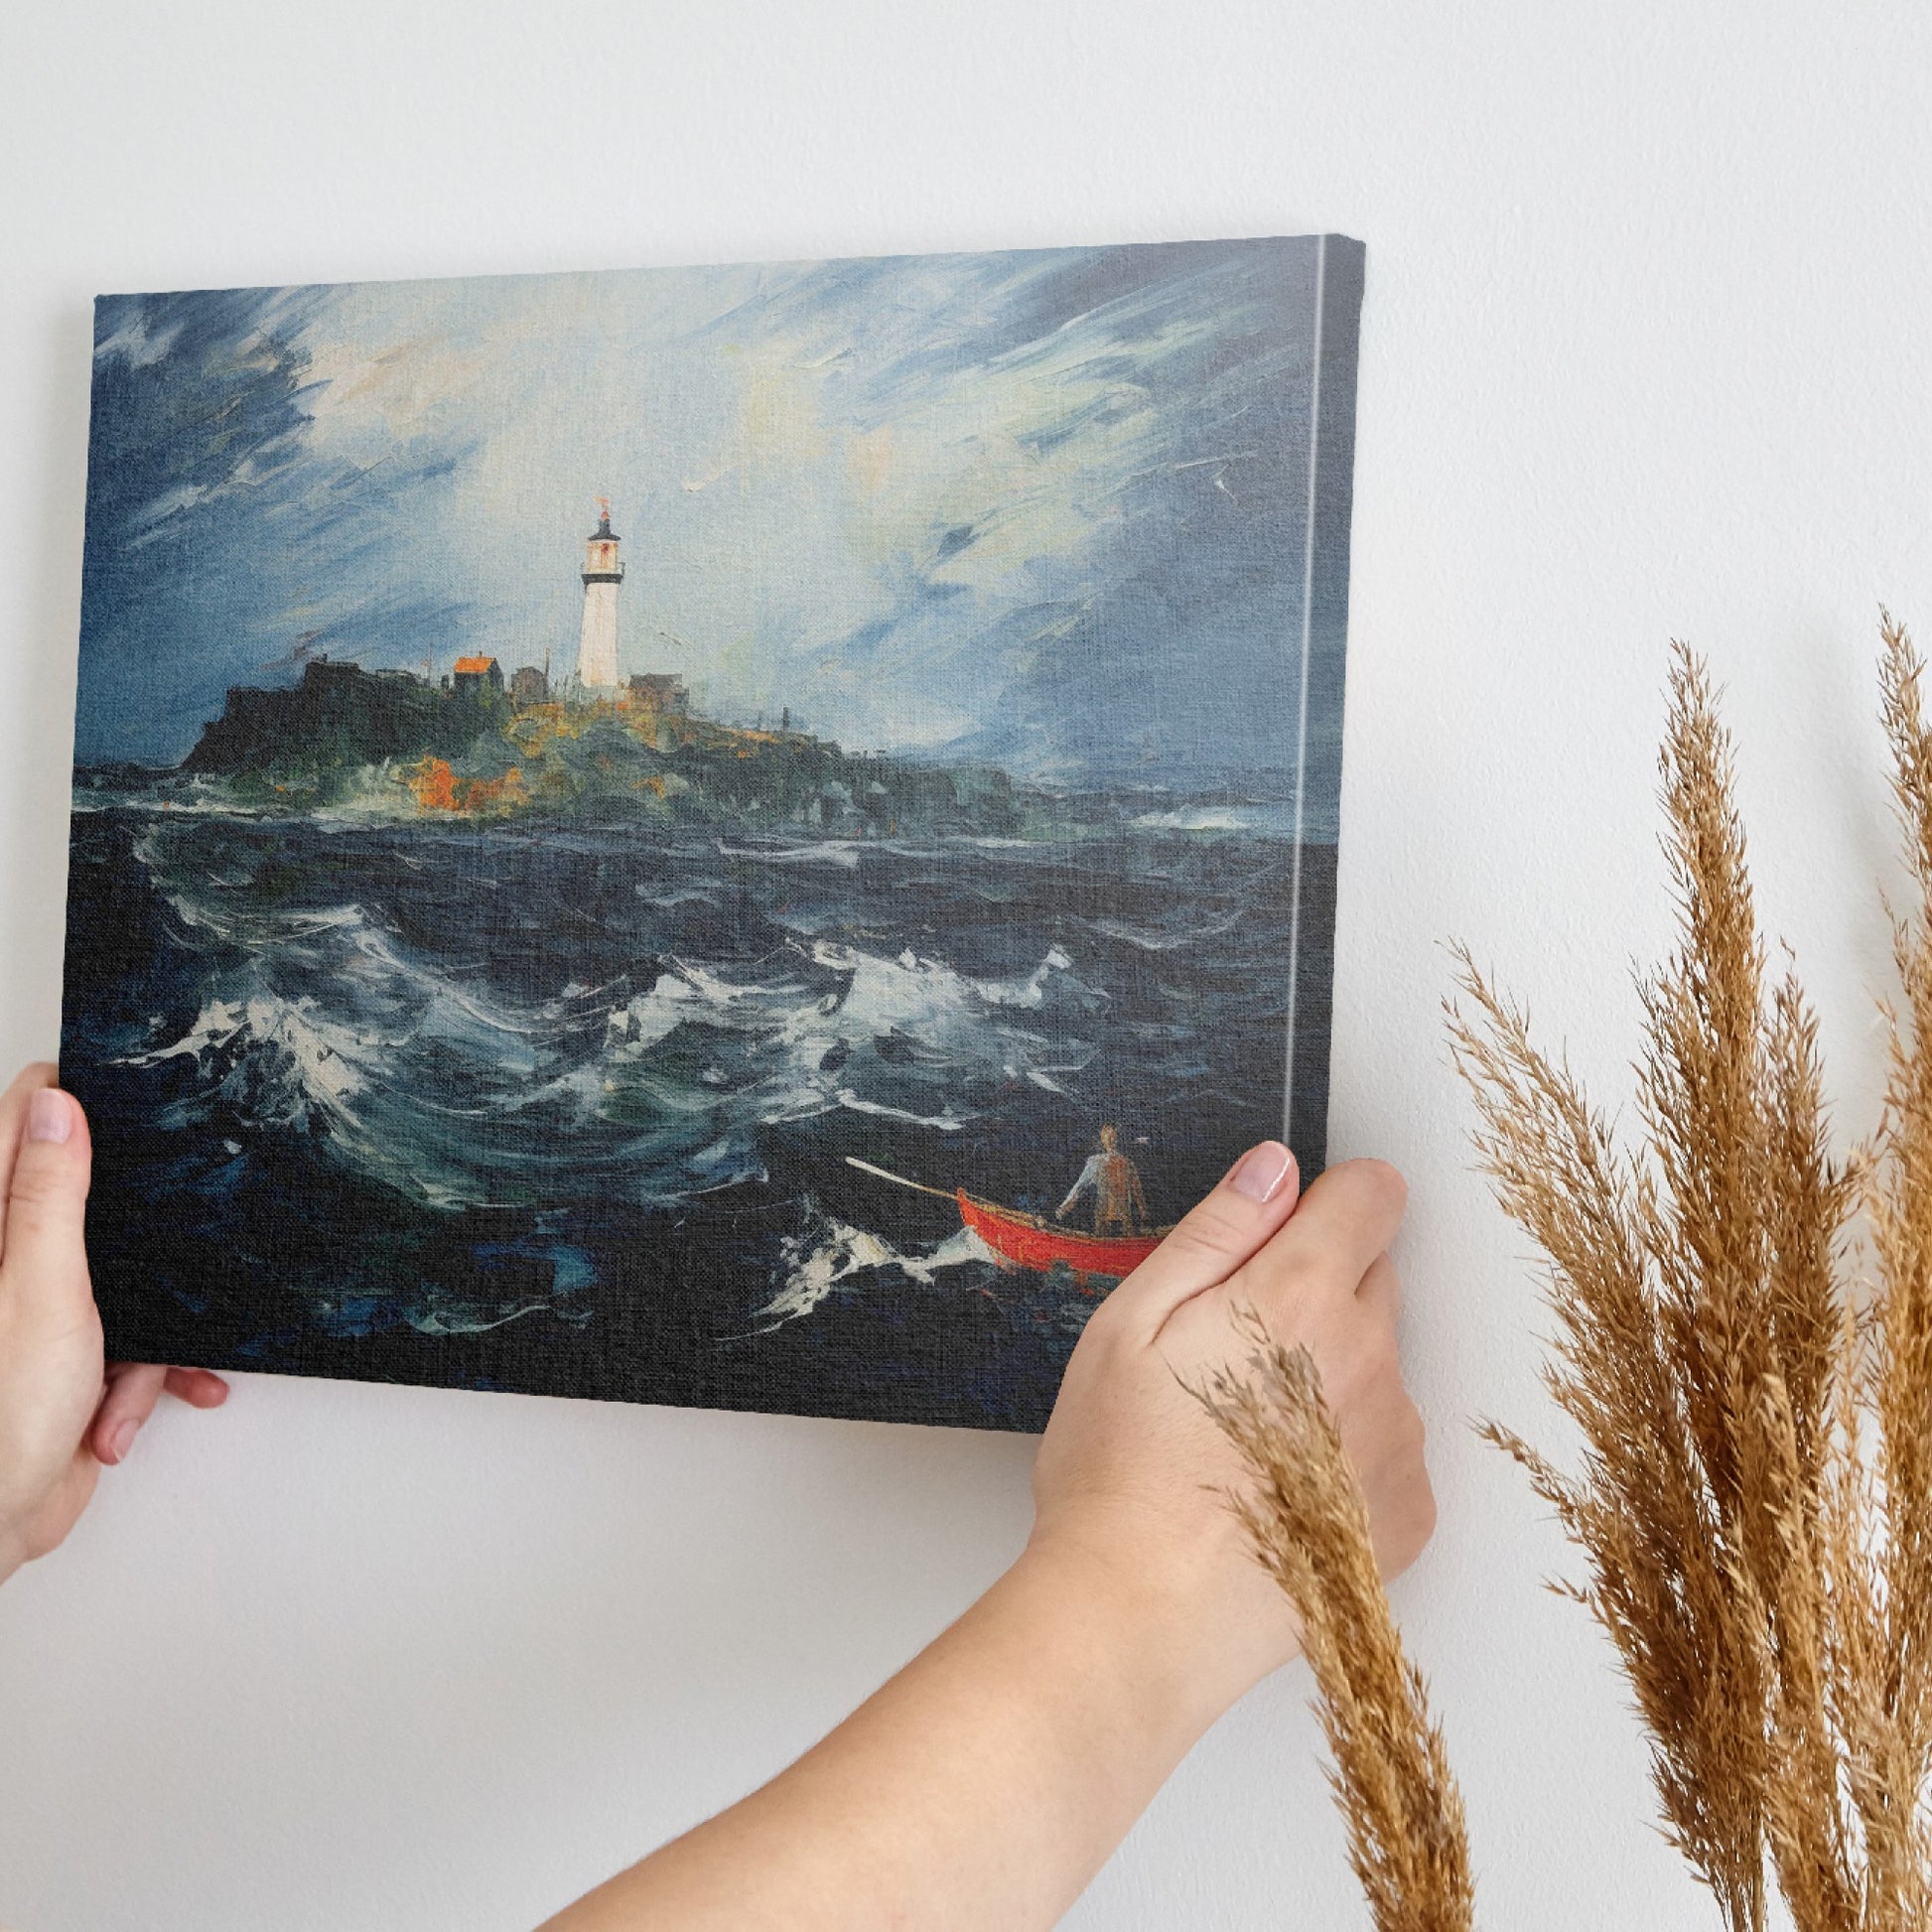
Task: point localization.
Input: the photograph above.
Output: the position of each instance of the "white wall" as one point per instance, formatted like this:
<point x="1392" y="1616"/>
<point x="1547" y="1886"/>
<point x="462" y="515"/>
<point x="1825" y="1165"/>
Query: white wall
<point x="1643" y="354"/>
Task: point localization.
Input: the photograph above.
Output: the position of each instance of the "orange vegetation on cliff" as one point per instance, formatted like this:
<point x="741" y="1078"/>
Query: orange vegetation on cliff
<point x="438" y="790"/>
<point x="433" y="785"/>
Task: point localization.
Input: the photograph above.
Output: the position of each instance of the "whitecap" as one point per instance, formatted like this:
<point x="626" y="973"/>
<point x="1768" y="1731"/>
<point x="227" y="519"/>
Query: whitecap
<point x="215" y="1026"/>
<point x="1193" y="818"/>
<point x="946" y="1122"/>
<point x="834" y="852"/>
<point x="813" y="1273"/>
<point x="1164" y="939"/>
<point x="1031" y="990"/>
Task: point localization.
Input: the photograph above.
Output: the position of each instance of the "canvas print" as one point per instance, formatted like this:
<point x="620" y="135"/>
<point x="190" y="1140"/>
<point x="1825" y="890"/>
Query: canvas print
<point x="739" y="836"/>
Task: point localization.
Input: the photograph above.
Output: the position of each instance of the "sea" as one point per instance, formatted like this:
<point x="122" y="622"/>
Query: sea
<point x="574" y="1110"/>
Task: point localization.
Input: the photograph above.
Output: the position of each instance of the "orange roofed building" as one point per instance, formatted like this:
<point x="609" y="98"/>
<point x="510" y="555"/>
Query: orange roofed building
<point x="474" y="675"/>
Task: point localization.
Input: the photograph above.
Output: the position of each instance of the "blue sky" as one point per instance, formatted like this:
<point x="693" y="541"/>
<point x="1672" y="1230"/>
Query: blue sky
<point x="1046" y="507"/>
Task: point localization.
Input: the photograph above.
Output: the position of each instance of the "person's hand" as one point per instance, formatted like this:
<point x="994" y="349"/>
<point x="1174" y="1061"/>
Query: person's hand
<point x="63" y="1411"/>
<point x="1130" y="1476"/>
<point x="986" y="1783"/>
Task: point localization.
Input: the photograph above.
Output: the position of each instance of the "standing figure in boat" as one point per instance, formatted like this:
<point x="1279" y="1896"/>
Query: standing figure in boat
<point x="1119" y="1206"/>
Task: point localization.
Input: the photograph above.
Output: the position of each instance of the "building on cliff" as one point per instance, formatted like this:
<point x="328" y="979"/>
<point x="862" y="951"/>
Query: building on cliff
<point x="660" y="691"/>
<point x="474" y="676"/>
<point x="530" y="686"/>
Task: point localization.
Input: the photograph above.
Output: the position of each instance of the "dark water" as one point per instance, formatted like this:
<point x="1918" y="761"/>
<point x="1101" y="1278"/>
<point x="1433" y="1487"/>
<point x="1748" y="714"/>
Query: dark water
<point x="568" y="1111"/>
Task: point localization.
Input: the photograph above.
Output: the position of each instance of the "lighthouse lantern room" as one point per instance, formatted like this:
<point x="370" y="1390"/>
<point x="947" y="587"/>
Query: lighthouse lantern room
<point x="597" y="646"/>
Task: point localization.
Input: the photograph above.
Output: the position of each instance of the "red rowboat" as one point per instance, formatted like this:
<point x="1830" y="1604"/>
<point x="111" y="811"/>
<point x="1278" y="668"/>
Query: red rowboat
<point x="1027" y="1241"/>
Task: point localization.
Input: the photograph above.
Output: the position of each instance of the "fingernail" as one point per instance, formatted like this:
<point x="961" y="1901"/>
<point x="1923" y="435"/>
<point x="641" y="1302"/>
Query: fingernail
<point x="1262" y="1170"/>
<point x="50" y="1115"/>
<point x="122" y="1439"/>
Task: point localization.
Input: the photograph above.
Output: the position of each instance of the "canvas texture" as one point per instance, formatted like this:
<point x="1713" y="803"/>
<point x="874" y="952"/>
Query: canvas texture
<point x="734" y="836"/>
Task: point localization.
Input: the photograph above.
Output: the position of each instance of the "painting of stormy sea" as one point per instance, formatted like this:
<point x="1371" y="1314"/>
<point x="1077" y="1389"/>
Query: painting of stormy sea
<point x="736" y="836"/>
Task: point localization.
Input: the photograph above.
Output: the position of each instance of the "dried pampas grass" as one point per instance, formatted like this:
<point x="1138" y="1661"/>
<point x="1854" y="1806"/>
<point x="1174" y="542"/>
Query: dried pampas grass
<point x="1754" y="1497"/>
<point x="1309" y="1525"/>
<point x="1753" y="1390"/>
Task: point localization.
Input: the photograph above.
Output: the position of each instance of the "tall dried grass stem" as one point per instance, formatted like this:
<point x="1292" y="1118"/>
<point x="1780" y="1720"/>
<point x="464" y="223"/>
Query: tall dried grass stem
<point x="1305" y="1514"/>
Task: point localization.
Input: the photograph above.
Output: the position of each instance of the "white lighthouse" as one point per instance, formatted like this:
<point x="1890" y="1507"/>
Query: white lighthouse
<point x="597" y="642"/>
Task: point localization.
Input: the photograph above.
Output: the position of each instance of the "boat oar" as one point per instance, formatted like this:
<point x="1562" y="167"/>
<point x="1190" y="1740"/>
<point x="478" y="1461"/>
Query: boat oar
<point x="885" y="1173"/>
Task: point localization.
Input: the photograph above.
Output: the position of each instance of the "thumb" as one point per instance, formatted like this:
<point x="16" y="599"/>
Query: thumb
<point x="44" y="1263"/>
<point x="1254" y="1197"/>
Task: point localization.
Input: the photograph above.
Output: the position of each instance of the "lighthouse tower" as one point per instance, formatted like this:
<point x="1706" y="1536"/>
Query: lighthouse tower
<point x="597" y="642"/>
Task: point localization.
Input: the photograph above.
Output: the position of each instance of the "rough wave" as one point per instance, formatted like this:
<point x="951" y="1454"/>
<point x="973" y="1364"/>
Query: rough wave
<point x="340" y="1022"/>
<point x="834" y="1256"/>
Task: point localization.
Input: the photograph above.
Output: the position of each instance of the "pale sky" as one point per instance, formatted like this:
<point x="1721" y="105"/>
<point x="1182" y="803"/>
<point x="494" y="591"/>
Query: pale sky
<point x="1046" y="507"/>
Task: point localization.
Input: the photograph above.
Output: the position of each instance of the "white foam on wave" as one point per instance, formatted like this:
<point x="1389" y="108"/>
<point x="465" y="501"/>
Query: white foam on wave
<point x="818" y="1270"/>
<point x="1194" y="818"/>
<point x="1266" y="821"/>
<point x="215" y="1026"/>
<point x="831" y="852"/>
<point x="798" y="1036"/>
<point x="912" y="991"/>
<point x="1031" y="989"/>
<point x="1165" y="938"/>
<point x="946" y="1122"/>
<point x="421" y="1074"/>
<point x="299" y="1063"/>
<point x="370" y="1054"/>
<point x="679" y="895"/>
<point x="440" y="988"/>
<point x="679" y="994"/>
<point x="448" y="1322"/>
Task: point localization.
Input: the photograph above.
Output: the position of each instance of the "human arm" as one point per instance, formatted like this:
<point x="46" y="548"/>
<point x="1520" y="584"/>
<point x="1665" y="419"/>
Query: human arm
<point x="1089" y="1180"/>
<point x="990" y="1779"/>
<point x="65" y="1411"/>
